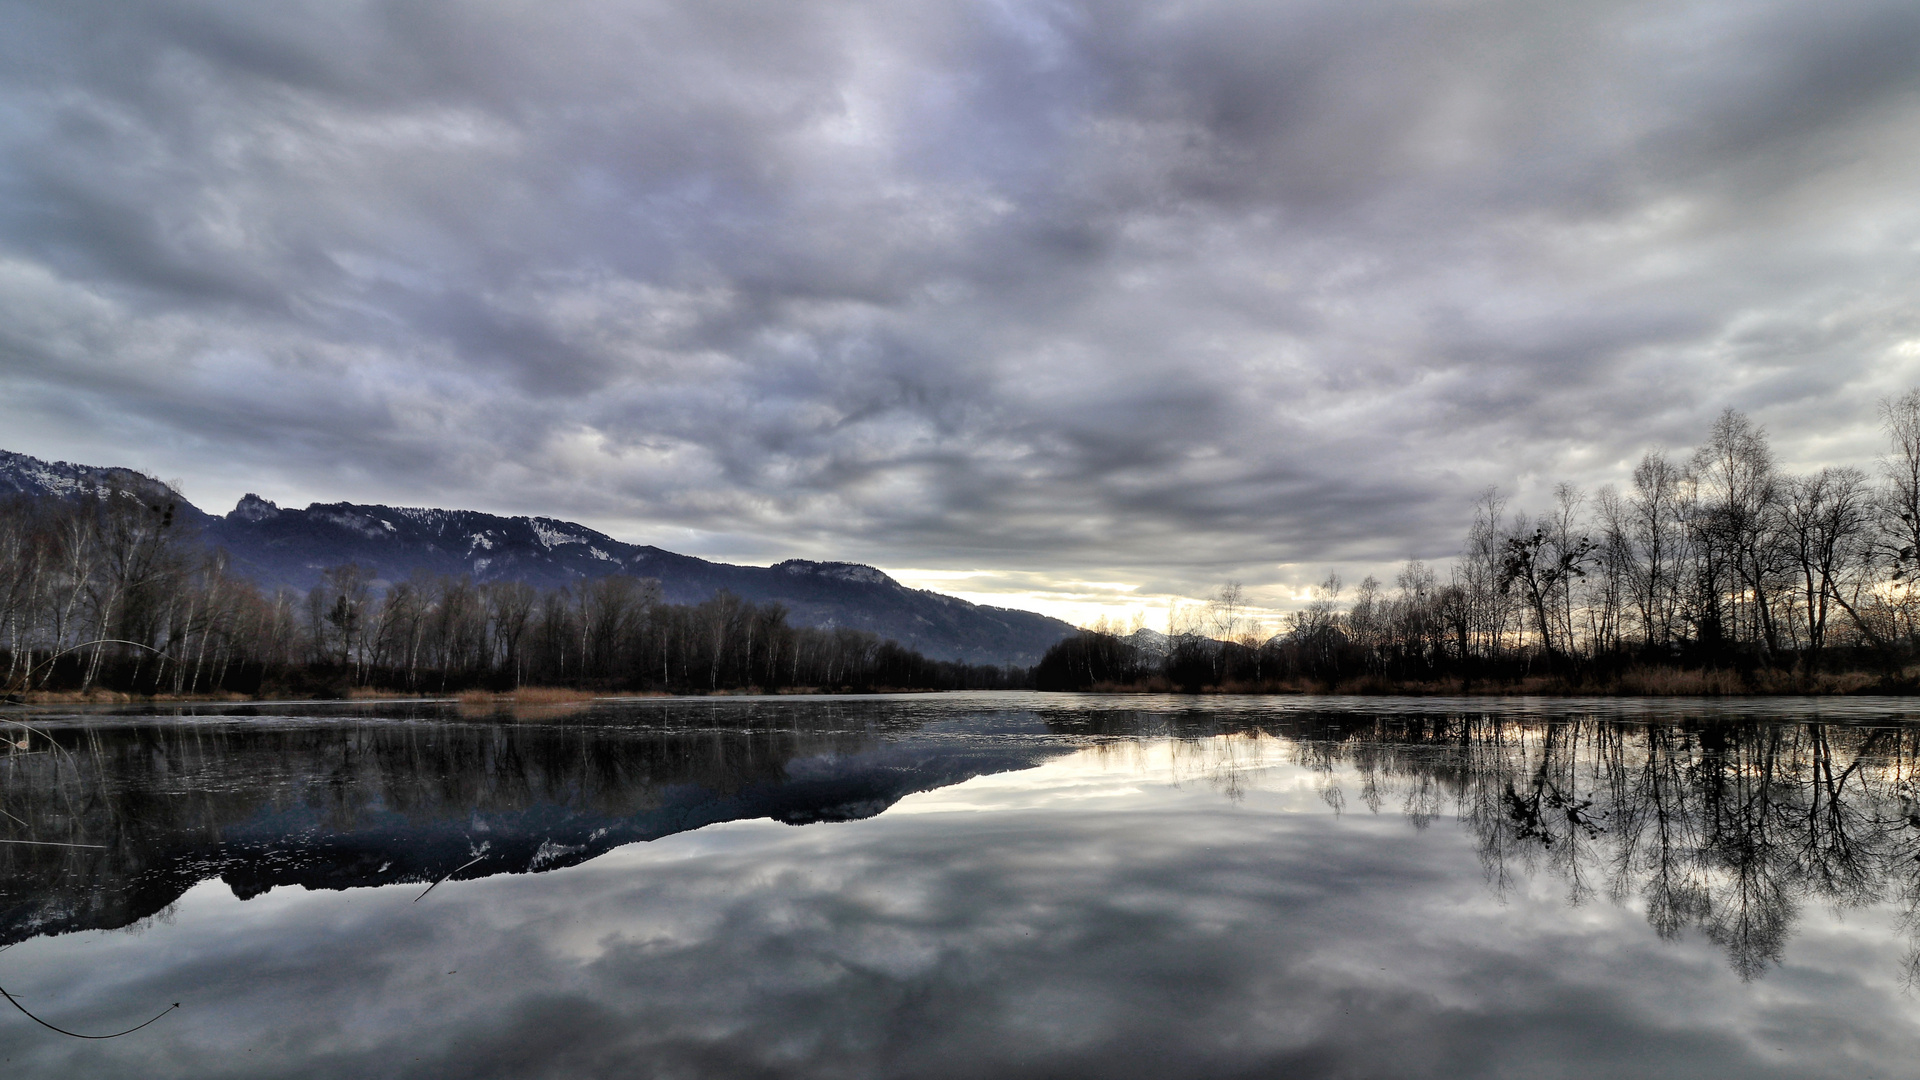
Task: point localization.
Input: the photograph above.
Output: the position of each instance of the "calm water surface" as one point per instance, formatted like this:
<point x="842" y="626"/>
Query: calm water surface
<point x="991" y="885"/>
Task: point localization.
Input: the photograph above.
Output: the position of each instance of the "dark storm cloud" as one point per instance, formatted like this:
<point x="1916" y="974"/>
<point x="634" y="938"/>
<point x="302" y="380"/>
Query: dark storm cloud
<point x="1101" y="290"/>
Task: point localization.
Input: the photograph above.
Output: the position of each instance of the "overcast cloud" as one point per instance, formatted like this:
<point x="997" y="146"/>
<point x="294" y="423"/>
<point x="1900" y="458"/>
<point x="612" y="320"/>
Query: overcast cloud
<point x="1145" y="295"/>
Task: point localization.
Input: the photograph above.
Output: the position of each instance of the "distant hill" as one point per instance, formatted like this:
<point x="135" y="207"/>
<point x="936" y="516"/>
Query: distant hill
<point x="276" y="546"/>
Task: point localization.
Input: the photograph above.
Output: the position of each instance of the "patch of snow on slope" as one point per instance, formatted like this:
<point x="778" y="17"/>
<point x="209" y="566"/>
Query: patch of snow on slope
<point x="551" y="537"/>
<point x="363" y="525"/>
<point x="550" y="852"/>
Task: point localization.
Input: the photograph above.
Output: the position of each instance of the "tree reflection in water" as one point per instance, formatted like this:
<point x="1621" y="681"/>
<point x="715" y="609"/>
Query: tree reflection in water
<point x="1727" y="827"/>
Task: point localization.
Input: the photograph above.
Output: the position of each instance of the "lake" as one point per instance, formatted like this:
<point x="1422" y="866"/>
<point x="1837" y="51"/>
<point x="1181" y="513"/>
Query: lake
<point x="966" y="885"/>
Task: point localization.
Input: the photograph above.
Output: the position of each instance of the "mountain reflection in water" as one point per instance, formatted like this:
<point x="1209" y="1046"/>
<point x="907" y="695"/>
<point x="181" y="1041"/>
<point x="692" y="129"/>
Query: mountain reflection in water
<point x="153" y="807"/>
<point x="1019" y="885"/>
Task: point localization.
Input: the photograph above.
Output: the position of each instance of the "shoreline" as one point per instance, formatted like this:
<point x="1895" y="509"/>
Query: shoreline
<point x="1634" y="683"/>
<point x="523" y="697"/>
<point x="1700" y="685"/>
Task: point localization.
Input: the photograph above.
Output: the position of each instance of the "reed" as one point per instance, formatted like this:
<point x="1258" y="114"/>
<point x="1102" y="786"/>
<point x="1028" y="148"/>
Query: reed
<point x="531" y="702"/>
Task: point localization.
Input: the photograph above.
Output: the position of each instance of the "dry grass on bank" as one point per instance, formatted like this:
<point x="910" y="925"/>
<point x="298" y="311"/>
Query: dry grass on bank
<point x="525" y="695"/>
<point x="76" y="697"/>
<point x="1663" y="682"/>
<point x="223" y="695"/>
<point x="1670" y="682"/>
<point x="527" y="702"/>
<point x="98" y="696"/>
<point x="374" y="693"/>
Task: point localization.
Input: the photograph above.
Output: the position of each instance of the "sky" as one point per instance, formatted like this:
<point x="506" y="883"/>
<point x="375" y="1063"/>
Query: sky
<point x="1082" y="308"/>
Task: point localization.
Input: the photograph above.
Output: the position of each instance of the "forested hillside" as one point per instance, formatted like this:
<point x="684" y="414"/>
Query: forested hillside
<point x="113" y="586"/>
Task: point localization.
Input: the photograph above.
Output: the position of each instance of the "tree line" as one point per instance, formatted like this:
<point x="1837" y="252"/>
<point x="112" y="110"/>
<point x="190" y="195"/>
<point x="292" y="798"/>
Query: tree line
<point x="1717" y="561"/>
<point x="108" y="588"/>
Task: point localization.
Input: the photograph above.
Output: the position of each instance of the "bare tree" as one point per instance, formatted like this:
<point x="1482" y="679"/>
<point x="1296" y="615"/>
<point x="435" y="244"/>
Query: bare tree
<point x="1739" y="487"/>
<point x="510" y="609"/>
<point x="1658" y="531"/>
<point x="1417" y="632"/>
<point x="1610" y="590"/>
<point x="1544" y="562"/>
<point x="1825" y="519"/>
<point x="1897" y="545"/>
<point x="1489" y="609"/>
<point x="1314" y="630"/>
<point x="1367" y="621"/>
<point x="1224" y="611"/>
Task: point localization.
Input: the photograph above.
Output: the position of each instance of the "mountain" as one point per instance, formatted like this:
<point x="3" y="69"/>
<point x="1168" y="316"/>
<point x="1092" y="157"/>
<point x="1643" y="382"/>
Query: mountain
<point x="1151" y="642"/>
<point x="24" y="475"/>
<point x="278" y="546"/>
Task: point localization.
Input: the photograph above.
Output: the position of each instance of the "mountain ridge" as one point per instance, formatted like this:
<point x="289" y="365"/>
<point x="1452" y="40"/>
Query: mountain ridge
<point x="278" y="546"/>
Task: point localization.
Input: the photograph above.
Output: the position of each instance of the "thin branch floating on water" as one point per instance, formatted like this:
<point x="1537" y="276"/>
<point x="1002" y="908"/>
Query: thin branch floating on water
<point x="50" y="1027"/>
<point x="50" y="843"/>
<point x="444" y="877"/>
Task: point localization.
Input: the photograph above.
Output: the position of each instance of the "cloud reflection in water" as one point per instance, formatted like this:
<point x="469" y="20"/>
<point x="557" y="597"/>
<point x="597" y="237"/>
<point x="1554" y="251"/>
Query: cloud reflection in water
<point x="1142" y="906"/>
